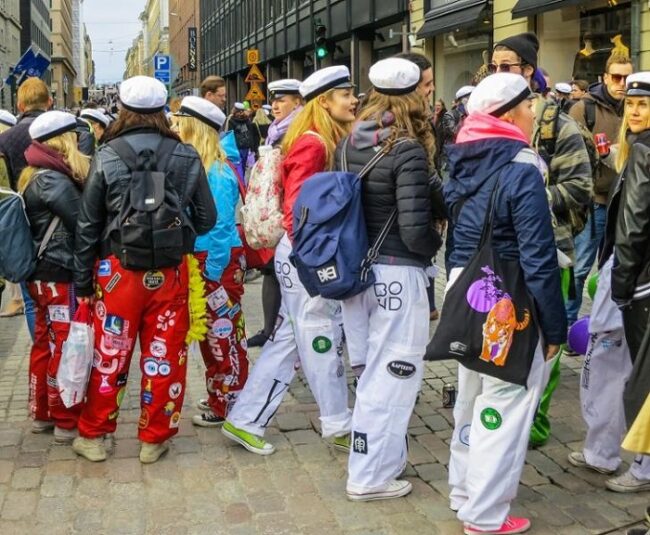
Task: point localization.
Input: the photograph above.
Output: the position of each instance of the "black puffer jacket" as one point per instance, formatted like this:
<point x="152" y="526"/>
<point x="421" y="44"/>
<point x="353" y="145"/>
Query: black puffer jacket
<point x="400" y="179"/>
<point x="13" y="144"/>
<point x="107" y="183"/>
<point x="52" y="194"/>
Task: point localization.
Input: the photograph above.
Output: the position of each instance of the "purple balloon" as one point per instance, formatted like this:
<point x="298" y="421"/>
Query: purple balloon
<point x="579" y="336"/>
<point x="480" y="298"/>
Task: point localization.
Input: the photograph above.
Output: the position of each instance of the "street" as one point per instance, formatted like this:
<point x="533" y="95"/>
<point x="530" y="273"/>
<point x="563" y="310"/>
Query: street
<point x="208" y="485"/>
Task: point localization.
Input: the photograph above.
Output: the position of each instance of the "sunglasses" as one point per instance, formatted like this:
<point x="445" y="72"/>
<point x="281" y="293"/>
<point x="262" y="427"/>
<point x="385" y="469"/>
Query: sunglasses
<point x="618" y="78"/>
<point x="502" y="67"/>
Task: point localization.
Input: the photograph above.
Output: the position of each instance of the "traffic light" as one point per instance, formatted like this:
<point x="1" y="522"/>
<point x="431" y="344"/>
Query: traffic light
<point x="320" y="42"/>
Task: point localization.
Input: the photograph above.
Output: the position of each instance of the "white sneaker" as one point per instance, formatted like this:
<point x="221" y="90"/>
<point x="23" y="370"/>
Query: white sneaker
<point x="577" y="458"/>
<point x="627" y="483"/>
<point x="393" y="489"/>
<point x="64" y="436"/>
<point x="90" y="448"/>
<point x="42" y="426"/>
<point x="150" y="453"/>
<point x="203" y="405"/>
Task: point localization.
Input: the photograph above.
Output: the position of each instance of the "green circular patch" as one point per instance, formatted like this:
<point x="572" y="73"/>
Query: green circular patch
<point x="491" y="419"/>
<point x="321" y="344"/>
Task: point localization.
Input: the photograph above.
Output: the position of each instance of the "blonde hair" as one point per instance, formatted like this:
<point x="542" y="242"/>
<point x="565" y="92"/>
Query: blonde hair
<point x="33" y="94"/>
<point x="66" y="146"/>
<point x="4" y="127"/>
<point x="203" y="138"/>
<point x="314" y="117"/>
<point x="623" y="144"/>
<point x="411" y="118"/>
<point x="261" y="118"/>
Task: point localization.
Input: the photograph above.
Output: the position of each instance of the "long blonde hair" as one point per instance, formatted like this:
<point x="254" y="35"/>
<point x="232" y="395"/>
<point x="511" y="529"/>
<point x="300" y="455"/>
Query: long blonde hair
<point x="314" y="117"/>
<point x="66" y="146"/>
<point x="623" y="143"/>
<point x="203" y="138"/>
<point x="261" y="118"/>
<point x="412" y="118"/>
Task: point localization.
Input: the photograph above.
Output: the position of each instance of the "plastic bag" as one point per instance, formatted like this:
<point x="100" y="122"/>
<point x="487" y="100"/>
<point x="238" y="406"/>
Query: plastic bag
<point x="77" y="358"/>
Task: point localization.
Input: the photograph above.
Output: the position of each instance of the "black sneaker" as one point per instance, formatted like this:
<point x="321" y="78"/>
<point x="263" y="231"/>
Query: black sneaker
<point x="208" y="419"/>
<point x="257" y="340"/>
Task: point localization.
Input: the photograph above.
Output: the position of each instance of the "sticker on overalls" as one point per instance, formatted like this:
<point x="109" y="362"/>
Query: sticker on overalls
<point x="113" y="282"/>
<point x="321" y="344"/>
<point x="491" y="419"/>
<point x="153" y="280"/>
<point x="463" y="434"/>
<point x="360" y="443"/>
<point x="143" y="421"/>
<point x="104" y="269"/>
<point x="175" y="390"/>
<point x="59" y="313"/>
<point x="175" y="420"/>
<point x="114" y="325"/>
<point x="218" y="299"/>
<point x="401" y="369"/>
<point x="222" y="328"/>
<point x="169" y="407"/>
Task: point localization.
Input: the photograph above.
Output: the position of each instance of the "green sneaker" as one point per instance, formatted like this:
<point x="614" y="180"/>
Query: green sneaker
<point x="342" y="443"/>
<point x="251" y="442"/>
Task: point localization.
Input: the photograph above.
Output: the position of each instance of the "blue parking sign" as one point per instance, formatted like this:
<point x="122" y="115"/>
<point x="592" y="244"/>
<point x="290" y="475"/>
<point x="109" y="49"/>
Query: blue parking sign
<point x="161" y="62"/>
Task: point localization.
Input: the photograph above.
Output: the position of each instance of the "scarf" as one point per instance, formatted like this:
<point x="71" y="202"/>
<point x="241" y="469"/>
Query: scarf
<point x="366" y="134"/>
<point x="277" y="129"/>
<point x="44" y="157"/>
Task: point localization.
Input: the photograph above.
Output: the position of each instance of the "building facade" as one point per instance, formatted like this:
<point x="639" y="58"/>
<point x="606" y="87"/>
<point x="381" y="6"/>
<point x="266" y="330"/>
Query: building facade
<point x="63" y="71"/>
<point x="184" y="46"/>
<point x="35" y="26"/>
<point x="135" y="58"/>
<point x="9" y="44"/>
<point x="359" y="32"/>
<point x="89" y="80"/>
<point x="155" y="31"/>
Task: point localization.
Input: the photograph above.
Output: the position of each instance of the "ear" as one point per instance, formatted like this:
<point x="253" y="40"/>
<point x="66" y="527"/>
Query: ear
<point x="21" y="107"/>
<point x="50" y="103"/>
<point x="528" y="72"/>
<point x="324" y="102"/>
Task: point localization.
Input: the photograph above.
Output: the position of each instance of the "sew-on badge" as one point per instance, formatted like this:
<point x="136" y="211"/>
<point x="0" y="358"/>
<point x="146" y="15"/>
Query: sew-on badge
<point x="152" y="280"/>
<point x="113" y="282"/>
<point x="104" y="269"/>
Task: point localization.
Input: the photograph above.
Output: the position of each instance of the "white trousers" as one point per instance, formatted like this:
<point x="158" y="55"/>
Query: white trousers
<point x="492" y="420"/>
<point x="606" y="369"/>
<point x="387" y="330"/>
<point x="308" y="335"/>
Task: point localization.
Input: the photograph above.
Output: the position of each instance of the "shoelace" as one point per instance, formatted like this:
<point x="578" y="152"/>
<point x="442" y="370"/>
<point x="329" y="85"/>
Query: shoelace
<point x="509" y="523"/>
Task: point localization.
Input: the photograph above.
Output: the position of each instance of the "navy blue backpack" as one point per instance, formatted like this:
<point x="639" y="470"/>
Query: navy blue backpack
<point x="330" y="241"/>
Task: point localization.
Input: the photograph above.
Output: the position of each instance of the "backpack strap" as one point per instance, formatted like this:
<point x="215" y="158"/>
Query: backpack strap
<point x="48" y="236"/>
<point x="590" y="113"/>
<point x="127" y="154"/>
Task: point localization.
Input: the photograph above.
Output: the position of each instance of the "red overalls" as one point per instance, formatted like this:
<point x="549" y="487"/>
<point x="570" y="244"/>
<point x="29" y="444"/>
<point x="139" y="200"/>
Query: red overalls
<point x="152" y="305"/>
<point x="224" y="350"/>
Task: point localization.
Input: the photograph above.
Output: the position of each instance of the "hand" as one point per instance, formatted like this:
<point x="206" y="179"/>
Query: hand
<point x="87" y="300"/>
<point x="551" y="351"/>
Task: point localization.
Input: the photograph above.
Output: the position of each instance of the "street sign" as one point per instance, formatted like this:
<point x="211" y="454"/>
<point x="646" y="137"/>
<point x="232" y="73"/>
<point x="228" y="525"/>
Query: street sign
<point x="255" y="93"/>
<point x="162" y="68"/>
<point x="255" y="76"/>
<point x="252" y="56"/>
<point x="163" y="76"/>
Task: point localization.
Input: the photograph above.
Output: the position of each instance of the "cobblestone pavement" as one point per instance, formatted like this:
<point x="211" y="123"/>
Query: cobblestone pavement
<point x="207" y="485"/>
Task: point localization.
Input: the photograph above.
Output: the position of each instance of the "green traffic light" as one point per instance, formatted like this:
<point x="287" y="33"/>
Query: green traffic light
<point x="321" y="52"/>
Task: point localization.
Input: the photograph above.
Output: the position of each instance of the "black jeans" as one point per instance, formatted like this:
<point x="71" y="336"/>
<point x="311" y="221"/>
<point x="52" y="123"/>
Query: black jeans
<point x="637" y="334"/>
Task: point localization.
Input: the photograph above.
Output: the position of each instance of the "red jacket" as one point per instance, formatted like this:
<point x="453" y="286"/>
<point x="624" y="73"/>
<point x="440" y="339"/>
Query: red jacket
<point x="307" y="156"/>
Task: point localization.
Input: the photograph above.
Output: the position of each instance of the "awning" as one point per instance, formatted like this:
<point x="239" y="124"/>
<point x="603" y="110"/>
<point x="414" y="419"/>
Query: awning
<point x="449" y="16"/>
<point x="525" y="8"/>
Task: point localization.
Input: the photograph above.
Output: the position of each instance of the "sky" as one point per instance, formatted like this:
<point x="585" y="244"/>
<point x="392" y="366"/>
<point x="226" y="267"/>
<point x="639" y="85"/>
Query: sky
<point x="112" y="26"/>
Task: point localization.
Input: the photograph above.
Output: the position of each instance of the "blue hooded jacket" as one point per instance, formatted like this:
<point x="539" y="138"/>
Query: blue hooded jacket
<point x="224" y="186"/>
<point x="522" y="228"/>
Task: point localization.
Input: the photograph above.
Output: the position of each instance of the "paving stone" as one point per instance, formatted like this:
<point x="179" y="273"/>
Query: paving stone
<point x="293" y="421"/>
<point x="531" y="477"/>
<point x="435" y="422"/>
<point x="19" y="505"/>
<point x="432" y="472"/>
<point x="57" y="486"/>
<point x="26" y="478"/>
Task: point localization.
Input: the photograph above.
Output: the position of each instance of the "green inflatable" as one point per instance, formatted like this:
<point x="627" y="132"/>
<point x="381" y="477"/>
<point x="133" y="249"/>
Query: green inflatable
<point x="592" y="284"/>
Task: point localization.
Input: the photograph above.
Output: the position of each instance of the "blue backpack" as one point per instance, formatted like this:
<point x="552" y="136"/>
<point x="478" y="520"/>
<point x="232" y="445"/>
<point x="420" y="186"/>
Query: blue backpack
<point x="330" y="241"/>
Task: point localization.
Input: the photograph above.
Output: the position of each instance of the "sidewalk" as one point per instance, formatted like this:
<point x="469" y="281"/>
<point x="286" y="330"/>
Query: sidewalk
<point x="208" y="485"/>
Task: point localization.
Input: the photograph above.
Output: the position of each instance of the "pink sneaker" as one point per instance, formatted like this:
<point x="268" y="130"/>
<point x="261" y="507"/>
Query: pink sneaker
<point x="511" y="525"/>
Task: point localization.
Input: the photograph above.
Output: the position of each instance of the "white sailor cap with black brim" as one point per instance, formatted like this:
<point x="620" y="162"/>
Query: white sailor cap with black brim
<point x="95" y="116"/>
<point x="282" y="88"/>
<point x="239" y="106"/>
<point x="335" y="77"/>
<point x="203" y="110"/>
<point x="394" y="76"/>
<point x="638" y="84"/>
<point x="52" y="124"/>
<point x="498" y="94"/>
<point x="7" y="118"/>
<point x="143" y="94"/>
<point x="563" y="88"/>
<point x="464" y="92"/>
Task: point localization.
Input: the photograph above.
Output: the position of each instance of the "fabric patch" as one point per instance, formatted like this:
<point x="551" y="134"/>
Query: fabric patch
<point x="143" y="422"/>
<point x="491" y="419"/>
<point x="360" y="443"/>
<point x="175" y="390"/>
<point x="401" y="369"/>
<point x="114" y="325"/>
<point x="113" y="282"/>
<point x="463" y="434"/>
<point x="100" y="310"/>
<point x="104" y="269"/>
<point x="158" y="348"/>
<point x="59" y="313"/>
<point x="175" y="420"/>
<point x="169" y="407"/>
<point x="222" y="328"/>
<point x="321" y="344"/>
<point x="218" y="299"/>
<point x="152" y="280"/>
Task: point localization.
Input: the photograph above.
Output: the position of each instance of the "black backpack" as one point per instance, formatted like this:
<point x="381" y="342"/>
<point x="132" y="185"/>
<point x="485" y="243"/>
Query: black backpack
<point x="148" y="232"/>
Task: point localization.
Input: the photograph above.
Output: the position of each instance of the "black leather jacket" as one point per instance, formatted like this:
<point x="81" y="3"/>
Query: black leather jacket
<point x="49" y="195"/>
<point x="627" y="231"/>
<point x="107" y="183"/>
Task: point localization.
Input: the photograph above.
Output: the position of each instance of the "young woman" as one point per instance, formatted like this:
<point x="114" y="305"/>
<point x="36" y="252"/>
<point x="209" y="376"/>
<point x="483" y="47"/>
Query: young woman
<point x="492" y="417"/>
<point x="247" y="135"/>
<point x="286" y="104"/>
<point x="387" y="325"/>
<point x="309" y="334"/>
<point x="220" y="255"/>
<point x="51" y="186"/>
<point x="132" y="300"/>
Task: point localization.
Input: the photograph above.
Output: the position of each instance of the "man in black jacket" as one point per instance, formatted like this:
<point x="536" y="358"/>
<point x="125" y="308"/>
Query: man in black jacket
<point x="33" y="100"/>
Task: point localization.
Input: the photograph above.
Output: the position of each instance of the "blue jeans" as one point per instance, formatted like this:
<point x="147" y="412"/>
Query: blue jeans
<point x="30" y="316"/>
<point x="587" y="244"/>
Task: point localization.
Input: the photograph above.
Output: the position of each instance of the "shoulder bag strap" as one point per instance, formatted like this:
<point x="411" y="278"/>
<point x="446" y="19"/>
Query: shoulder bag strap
<point x="124" y="151"/>
<point x="486" y="233"/>
<point x="48" y="236"/>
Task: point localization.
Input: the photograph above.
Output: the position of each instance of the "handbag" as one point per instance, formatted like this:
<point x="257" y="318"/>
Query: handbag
<point x="76" y="358"/>
<point x="488" y="321"/>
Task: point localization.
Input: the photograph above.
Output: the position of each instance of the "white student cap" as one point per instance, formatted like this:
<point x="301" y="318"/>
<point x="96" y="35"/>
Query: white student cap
<point x="394" y="76"/>
<point x="498" y="93"/>
<point x="464" y="91"/>
<point x="638" y="84"/>
<point x="7" y="118"/>
<point x="281" y="88"/>
<point x="96" y="116"/>
<point x="51" y="124"/>
<point x="203" y="110"/>
<point x="143" y="94"/>
<point x="336" y="77"/>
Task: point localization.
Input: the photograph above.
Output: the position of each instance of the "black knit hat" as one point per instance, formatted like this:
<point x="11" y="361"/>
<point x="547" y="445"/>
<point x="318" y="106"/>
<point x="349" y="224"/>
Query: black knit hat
<point x="526" y="45"/>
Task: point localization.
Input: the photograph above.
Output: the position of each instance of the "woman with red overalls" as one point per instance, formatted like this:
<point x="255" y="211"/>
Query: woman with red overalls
<point x="145" y="200"/>
<point x="222" y="262"/>
<point x="51" y="186"/>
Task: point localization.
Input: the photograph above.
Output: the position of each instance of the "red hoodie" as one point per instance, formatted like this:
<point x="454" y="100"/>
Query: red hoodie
<point x="307" y="156"/>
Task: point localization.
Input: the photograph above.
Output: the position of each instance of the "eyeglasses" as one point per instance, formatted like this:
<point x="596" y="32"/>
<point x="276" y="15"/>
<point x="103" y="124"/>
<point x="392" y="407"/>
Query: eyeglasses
<point x="618" y="78"/>
<point x="502" y="67"/>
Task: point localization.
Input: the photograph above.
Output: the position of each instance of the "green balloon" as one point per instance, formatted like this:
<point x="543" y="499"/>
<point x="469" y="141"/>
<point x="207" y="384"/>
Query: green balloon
<point x="592" y="284"/>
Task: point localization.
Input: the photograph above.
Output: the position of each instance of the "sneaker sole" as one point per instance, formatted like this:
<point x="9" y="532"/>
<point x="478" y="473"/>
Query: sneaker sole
<point x="203" y="408"/>
<point x="98" y="459"/>
<point x="371" y="497"/>
<point x="603" y="471"/>
<point x="246" y="445"/>
<point x="338" y="447"/>
<point x="203" y="423"/>
<point x="153" y="460"/>
<point x="40" y="431"/>
<point x="469" y="531"/>
<point x="627" y="490"/>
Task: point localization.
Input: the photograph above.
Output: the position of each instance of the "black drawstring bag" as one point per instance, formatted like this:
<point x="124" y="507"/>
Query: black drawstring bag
<point x="488" y="321"/>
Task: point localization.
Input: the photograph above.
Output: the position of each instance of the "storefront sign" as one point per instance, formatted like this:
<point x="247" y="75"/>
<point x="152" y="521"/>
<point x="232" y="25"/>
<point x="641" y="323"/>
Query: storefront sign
<point x="192" y="49"/>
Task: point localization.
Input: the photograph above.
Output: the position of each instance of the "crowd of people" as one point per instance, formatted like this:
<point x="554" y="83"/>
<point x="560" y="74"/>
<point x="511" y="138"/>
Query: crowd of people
<point x="136" y="215"/>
